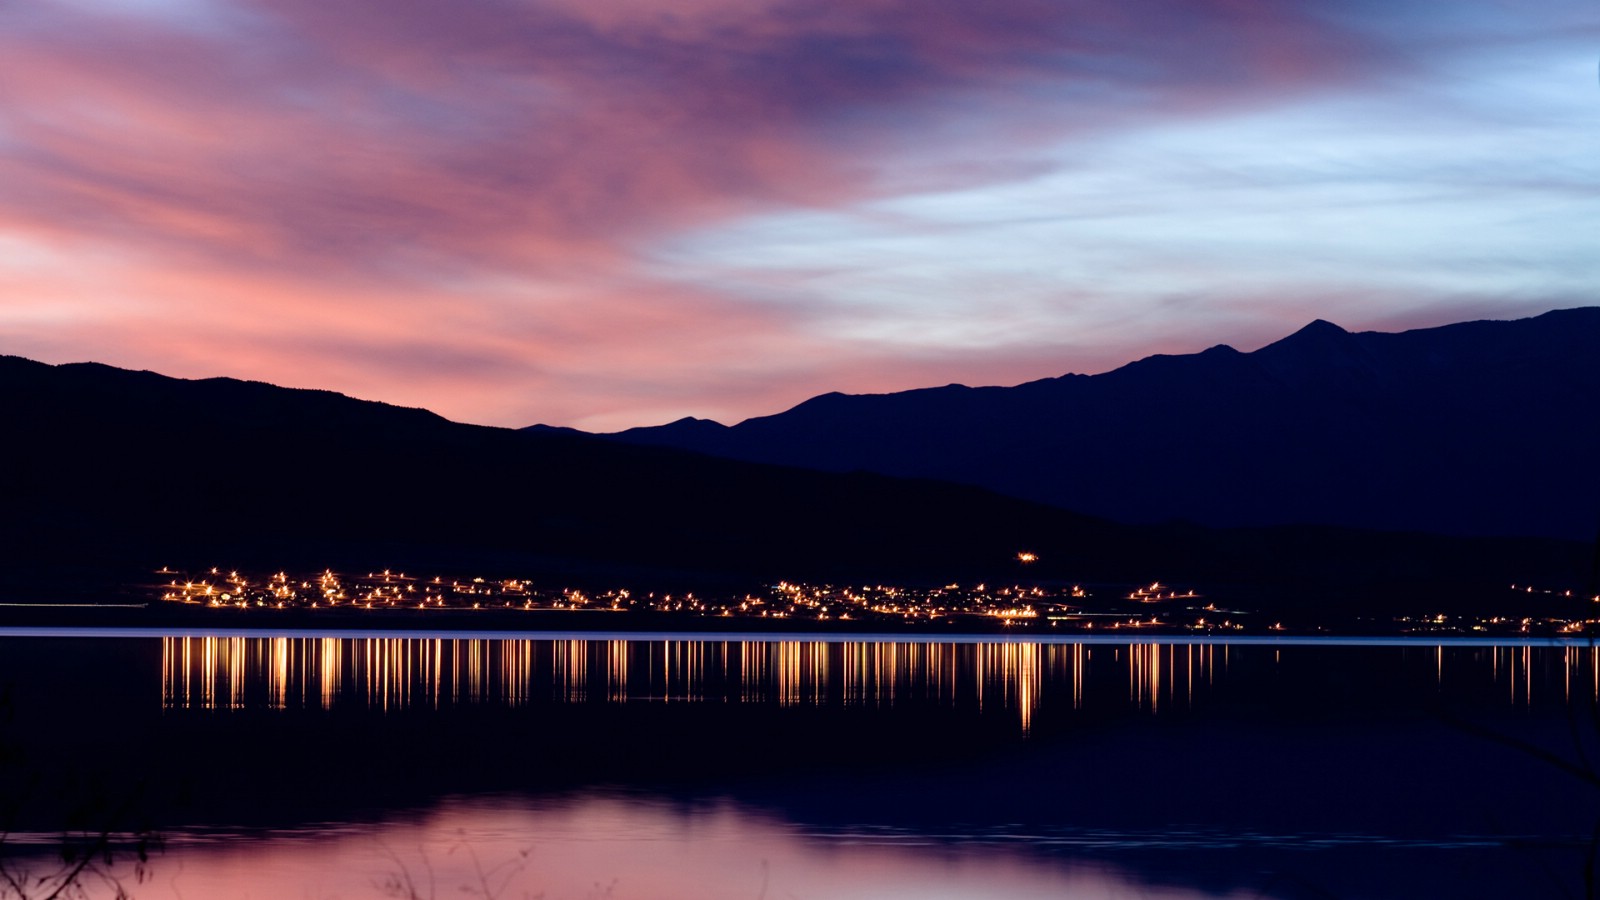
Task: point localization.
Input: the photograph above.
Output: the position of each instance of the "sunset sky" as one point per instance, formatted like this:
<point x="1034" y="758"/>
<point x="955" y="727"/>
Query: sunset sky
<point x="605" y="214"/>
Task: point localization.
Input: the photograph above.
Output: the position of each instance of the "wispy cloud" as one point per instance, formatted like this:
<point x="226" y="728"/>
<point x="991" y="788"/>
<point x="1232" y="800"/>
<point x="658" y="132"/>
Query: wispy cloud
<point x="573" y="211"/>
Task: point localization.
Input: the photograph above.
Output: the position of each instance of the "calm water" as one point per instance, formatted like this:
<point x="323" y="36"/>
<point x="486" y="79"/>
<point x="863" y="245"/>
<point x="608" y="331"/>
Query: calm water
<point x="305" y="765"/>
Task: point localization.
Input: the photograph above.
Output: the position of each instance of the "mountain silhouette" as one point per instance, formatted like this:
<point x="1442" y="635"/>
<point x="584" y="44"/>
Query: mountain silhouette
<point x="108" y="474"/>
<point x="104" y="467"/>
<point x="1479" y="428"/>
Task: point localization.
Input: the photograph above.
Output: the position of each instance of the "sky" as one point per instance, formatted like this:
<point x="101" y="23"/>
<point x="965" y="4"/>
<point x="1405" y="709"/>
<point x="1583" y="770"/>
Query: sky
<point x="607" y="214"/>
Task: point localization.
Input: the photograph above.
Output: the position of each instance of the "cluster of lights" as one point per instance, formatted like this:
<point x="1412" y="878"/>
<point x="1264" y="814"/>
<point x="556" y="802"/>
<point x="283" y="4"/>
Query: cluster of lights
<point x="1549" y="620"/>
<point x="1010" y="604"/>
<point x="373" y="590"/>
<point x="1441" y="623"/>
<point x="1157" y="591"/>
<point x="1152" y="606"/>
<point x="1557" y="592"/>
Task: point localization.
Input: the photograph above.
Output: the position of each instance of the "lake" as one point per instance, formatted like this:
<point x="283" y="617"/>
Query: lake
<point x="347" y="765"/>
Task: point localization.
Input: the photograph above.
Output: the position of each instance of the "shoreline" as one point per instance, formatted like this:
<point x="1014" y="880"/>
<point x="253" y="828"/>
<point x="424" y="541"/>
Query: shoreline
<point x="157" y="619"/>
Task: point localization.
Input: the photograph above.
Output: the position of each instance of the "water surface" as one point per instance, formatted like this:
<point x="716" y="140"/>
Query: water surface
<point x="323" y="765"/>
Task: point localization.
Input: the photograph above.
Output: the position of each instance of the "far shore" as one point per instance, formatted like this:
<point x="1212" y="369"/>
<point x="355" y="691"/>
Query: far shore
<point x="157" y="618"/>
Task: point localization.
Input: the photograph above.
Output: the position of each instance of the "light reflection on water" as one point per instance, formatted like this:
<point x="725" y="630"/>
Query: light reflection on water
<point x="1228" y="787"/>
<point x="387" y="673"/>
<point x="623" y="848"/>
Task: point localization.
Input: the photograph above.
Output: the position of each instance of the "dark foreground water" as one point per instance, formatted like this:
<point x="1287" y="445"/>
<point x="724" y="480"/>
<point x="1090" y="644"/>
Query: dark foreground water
<point x="321" y="766"/>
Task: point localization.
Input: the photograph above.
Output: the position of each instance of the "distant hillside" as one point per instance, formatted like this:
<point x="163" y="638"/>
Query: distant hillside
<point x="106" y="467"/>
<point x="106" y="474"/>
<point x="1481" y="428"/>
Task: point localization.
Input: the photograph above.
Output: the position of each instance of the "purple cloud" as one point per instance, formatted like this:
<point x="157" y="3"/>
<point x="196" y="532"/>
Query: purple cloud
<point x="465" y="200"/>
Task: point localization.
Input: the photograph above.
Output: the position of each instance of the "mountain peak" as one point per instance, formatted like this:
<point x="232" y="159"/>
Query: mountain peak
<point x="1324" y="426"/>
<point x="1319" y="335"/>
<point x="687" y="429"/>
<point x="1319" y="327"/>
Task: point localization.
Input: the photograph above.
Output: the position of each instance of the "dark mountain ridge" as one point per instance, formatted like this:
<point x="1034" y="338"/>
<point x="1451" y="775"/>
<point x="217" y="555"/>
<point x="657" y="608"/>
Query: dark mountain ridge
<point x="1478" y="428"/>
<point x="107" y="467"/>
<point x="106" y="474"/>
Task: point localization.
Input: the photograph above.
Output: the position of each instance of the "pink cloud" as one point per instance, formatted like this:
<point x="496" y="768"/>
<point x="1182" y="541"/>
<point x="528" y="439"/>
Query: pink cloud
<point x="514" y="133"/>
<point x="448" y="204"/>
